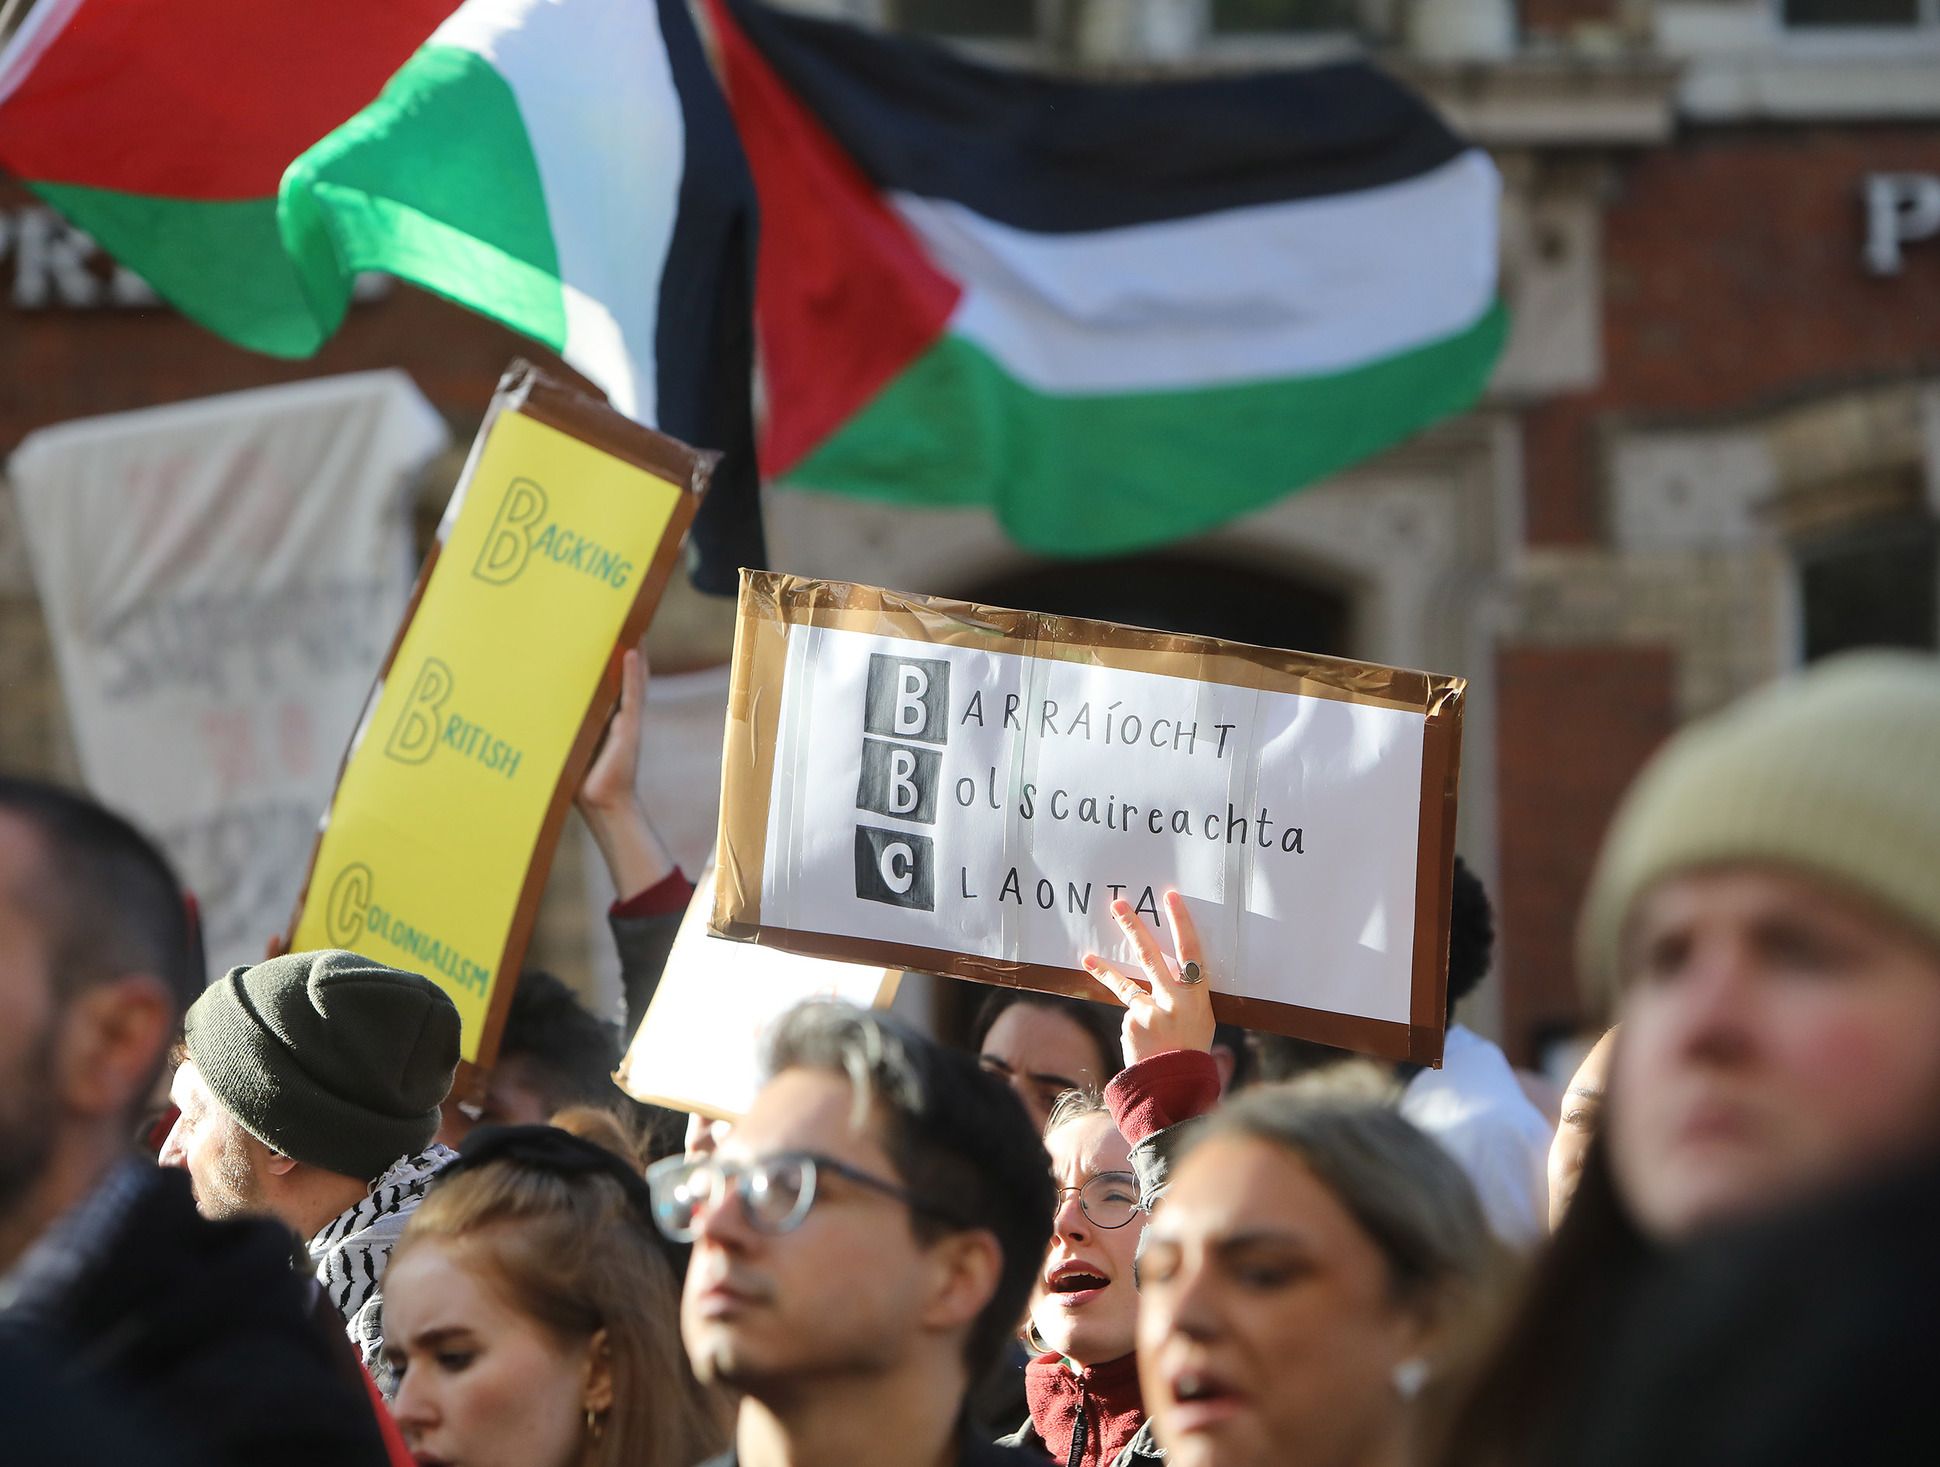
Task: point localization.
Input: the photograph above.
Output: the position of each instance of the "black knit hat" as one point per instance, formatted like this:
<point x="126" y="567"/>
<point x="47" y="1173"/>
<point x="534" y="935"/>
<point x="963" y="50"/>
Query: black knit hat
<point x="328" y="1057"/>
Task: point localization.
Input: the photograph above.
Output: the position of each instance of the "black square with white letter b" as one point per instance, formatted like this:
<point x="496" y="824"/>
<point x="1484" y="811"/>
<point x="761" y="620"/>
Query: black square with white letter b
<point x="908" y="698"/>
<point x="899" y="780"/>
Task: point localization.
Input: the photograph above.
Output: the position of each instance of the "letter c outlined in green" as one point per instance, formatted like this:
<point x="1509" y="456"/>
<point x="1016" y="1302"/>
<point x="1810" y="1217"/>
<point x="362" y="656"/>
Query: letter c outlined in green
<point x="349" y="903"/>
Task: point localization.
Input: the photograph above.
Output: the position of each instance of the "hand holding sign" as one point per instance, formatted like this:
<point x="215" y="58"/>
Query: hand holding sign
<point x="610" y="779"/>
<point x="1168" y="1013"/>
<point x="608" y="797"/>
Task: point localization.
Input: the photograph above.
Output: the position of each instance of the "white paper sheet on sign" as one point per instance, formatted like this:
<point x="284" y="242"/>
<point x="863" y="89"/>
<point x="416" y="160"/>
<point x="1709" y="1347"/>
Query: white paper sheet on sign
<point x="220" y="580"/>
<point x="1037" y="790"/>
<point x="698" y="1047"/>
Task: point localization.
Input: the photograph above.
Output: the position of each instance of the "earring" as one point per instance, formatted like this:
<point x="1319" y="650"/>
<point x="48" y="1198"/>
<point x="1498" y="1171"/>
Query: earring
<point x="595" y="1424"/>
<point x="1409" y="1377"/>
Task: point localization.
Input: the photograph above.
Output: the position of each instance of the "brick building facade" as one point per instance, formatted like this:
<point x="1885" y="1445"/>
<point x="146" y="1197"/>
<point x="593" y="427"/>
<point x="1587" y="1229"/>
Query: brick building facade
<point x="1712" y="449"/>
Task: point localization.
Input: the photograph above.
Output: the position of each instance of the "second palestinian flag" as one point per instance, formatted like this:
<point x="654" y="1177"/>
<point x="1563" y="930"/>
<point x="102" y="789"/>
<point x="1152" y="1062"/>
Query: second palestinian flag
<point x="1117" y="314"/>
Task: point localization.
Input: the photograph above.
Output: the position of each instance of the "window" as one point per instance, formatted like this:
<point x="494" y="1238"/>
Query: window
<point x="1855" y="15"/>
<point x="1875" y="584"/>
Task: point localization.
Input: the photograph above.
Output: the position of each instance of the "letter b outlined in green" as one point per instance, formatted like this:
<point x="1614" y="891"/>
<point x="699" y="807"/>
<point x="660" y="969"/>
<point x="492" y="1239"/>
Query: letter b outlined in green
<point x="508" y="543"/>
<point x="415" y="734"/>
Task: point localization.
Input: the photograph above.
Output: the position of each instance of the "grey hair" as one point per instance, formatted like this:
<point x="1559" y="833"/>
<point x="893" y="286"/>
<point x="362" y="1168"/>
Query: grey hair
<point x="1404" y="1191"/>
<point x="843" y="1039"/>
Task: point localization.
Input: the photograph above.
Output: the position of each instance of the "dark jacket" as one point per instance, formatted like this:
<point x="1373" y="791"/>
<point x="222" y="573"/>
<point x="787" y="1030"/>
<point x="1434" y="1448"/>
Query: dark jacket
<point x="1806" y="1337"/>
<point x="1139" y="1451"/>
<point x="203" y="1329"/>
<point x="50" y="1420"/>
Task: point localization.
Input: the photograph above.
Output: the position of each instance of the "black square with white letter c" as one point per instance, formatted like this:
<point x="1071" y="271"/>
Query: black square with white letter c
<point x="895" y="867"/>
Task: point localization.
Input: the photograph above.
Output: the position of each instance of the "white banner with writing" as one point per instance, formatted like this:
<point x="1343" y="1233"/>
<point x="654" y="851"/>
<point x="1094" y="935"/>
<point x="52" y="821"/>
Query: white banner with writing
<point x="220" y="580"/>
<point x="994" y="803"/>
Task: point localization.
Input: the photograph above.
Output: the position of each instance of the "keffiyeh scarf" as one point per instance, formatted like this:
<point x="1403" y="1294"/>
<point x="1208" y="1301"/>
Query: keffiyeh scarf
<point x="351" y="1251"/>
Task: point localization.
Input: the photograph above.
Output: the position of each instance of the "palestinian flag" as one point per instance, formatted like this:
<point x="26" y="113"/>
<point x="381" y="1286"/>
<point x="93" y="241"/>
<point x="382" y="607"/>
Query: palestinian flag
<point x="1116" y="314"/>
<point x="566" y="167"/>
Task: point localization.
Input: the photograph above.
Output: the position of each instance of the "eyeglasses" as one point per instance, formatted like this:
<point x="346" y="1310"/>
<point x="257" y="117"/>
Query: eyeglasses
<point x="775" y="1192"/>
<point x="1109" y="1199"/>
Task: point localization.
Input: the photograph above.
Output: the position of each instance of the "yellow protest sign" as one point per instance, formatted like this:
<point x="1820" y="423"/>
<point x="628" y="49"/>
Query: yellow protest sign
<point x="558" y="542"/>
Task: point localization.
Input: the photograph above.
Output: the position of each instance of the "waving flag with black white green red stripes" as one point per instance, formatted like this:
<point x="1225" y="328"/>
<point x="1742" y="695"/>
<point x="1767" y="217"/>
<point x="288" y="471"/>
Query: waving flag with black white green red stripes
<point x="566" y="167"/>
<point x="1115" y="314"/>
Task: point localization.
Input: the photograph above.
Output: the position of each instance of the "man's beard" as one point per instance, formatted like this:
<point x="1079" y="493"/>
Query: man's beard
<point x="232" y="1189"/>
<point x="27" y="1123"/>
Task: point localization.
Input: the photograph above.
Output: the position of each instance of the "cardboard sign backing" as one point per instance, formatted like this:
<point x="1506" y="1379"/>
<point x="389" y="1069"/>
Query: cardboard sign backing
<point x="698" y="1047"/>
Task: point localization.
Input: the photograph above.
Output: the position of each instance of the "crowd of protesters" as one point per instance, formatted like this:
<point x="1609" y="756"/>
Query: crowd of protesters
<point x="1101" y="1235"/>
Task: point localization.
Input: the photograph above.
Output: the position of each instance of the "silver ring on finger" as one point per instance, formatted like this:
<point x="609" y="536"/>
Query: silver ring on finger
<point x="1191" y="973"/>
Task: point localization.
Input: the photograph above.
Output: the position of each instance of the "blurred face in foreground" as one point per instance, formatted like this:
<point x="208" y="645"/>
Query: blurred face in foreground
<point x="1267" y="1327"/>
<point x="1085" y="1304"/>
<point x="29" y="1023"/>
<point x="480" y="1382"/>
<point x="1577" y="1126"/>
<point x="1779" y="1038"/>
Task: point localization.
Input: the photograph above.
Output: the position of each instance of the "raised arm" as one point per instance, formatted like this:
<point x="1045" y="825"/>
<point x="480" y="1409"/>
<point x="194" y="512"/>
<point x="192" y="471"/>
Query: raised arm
<point x="1169" y="1077"/>
<point x="609" y="796"/>
<point x="652" y="891"/>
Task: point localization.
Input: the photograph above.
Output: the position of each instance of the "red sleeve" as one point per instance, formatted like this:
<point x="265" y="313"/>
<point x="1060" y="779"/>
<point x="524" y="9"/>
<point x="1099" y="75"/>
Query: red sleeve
<point x="1162" y="1091"/>
<point x="669" y="894"/>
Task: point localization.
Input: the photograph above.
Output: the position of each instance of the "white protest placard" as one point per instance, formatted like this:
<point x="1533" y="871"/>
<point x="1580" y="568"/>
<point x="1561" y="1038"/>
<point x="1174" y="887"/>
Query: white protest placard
<point x="963" y="789"/>
<point x="698" y="1048"/>
<point x="220" y="580"/>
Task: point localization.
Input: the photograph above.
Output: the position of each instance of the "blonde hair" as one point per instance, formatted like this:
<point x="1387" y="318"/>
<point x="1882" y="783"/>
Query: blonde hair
<point x="603" y="1128"/>
<point x="572" y="1253"/>
<point x="1074" y="1105"/>
<point x="1402" y="1189"/>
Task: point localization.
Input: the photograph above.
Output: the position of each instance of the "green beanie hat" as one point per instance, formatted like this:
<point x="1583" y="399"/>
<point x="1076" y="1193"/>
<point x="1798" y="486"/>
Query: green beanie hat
<point x="1834" y="774"/>
<point x="328" y="1057"/>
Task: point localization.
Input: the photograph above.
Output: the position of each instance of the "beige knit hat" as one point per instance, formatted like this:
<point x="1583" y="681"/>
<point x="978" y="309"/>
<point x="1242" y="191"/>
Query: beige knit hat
<point x="1834" y="773"/>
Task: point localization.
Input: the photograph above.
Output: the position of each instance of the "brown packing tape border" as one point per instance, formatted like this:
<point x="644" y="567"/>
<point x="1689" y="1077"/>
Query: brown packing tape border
<point x="771" y="602"/>
<point x="749" y="743"/>
<point x="798" y="601"/>
<point x="1383" y="1037"/>
<point x="525" y="388"/>
<point x="1441" y="766"/>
